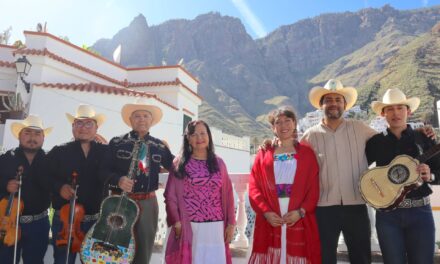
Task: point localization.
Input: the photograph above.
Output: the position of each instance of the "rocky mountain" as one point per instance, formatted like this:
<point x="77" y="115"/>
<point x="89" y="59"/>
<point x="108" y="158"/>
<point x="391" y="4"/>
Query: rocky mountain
<point x="241" y="79"/>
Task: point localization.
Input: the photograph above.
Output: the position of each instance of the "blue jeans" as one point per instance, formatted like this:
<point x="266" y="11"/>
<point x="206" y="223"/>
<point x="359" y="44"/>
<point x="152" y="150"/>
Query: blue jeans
<point x="59" y="253"/>
<point x="32" y="246"/>
<point x="406" y="234"/>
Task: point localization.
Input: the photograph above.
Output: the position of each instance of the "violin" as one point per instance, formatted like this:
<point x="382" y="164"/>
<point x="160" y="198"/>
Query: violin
<point x="71" y="215"/>
<point x="10" y="211"/>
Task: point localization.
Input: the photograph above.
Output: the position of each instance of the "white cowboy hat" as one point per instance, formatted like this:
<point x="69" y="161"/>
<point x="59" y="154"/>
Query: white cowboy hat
<point x="141" y="103"/>
<point x="86" y="112"/>
<point x="395" y="97"/>
<point x="33" y="122"/>
<point x="333" y="86"/>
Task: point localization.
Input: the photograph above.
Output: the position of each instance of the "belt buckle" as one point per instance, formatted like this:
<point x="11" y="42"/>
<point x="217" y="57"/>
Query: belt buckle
<point x="141" y="196"/>
<point x="405" y="203"/>
<point x="26" y="219"/>
<point x="409" y="203"/>
<point x="89" y="218"/>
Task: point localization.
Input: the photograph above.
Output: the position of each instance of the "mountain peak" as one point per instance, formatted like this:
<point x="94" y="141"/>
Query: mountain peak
<point x="139" y="21"/>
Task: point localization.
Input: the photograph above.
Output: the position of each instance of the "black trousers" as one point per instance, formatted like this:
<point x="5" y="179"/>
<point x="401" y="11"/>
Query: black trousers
<point x="354" y="223"/>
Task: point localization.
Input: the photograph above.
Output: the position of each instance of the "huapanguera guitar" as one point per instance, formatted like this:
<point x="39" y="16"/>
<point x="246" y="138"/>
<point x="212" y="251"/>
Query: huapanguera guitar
<point x="384" y="187"/>
<point x="111" y="239"/>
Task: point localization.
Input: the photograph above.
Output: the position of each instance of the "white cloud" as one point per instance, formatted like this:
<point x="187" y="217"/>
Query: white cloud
<point x="425" y="3"/>
<point x="250" y="18"/>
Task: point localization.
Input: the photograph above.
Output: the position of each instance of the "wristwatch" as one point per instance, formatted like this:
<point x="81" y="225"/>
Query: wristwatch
<point x="301" y="213"/>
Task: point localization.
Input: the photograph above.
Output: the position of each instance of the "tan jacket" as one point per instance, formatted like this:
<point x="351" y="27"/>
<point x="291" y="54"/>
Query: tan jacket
<point x="341" y="158"/>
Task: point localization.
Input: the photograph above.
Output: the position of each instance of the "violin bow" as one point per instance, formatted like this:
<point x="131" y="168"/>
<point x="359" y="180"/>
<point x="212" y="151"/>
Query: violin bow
<point x="71" y="215"/>
<point x="17" y="220"/>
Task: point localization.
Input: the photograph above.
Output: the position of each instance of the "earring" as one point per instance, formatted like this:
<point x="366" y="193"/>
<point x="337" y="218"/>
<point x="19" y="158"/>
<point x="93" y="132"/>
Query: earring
<point x="190" y="148"/>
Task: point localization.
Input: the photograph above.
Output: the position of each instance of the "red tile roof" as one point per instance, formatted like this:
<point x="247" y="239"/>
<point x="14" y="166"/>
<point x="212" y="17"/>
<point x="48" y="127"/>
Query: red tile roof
<point x="104" y="59"/>
<point x="7" y="64"/>
<point x="99" y="88"/>
<point x="123" y="83"/>
<point x="152" y="84"/>
<point x="53" y="56"/>
<point x="7" y="46"/>
<point x="164" y="67"/>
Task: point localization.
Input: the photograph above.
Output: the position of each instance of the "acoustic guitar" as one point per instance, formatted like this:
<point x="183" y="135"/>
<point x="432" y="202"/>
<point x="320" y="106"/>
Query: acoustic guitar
<point x="111" y="239"/>
<point x="384" y="187"/>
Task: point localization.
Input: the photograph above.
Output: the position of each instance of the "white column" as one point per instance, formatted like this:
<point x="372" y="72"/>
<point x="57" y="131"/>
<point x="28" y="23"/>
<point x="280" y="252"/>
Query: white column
<point x="374" y="240"/>
<point x="240" y="182"/>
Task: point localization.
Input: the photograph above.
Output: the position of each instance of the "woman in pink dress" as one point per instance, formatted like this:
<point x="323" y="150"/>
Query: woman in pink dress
<point x="199" y="202"/>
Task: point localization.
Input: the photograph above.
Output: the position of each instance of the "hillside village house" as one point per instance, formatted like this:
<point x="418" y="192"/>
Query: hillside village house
<point x="63" y="75"/>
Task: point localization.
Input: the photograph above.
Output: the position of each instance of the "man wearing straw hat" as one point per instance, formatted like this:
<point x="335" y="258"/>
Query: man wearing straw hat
<point x="339" y="146"/>
<point x="406" y="234"/>
<point x="35" y="195"/>
<point x="86" y="158"/>
<point x="141" y="116"/>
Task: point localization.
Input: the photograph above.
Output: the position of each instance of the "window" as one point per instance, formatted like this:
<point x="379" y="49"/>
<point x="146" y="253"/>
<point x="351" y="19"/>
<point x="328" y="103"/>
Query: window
<point x="186" y="120"/>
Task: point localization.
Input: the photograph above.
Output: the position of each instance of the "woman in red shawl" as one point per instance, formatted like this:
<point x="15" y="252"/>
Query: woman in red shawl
<point x="284" y="191"/>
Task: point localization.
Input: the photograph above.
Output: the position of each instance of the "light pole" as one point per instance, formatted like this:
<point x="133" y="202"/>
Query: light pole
<point x="23" y="67"/>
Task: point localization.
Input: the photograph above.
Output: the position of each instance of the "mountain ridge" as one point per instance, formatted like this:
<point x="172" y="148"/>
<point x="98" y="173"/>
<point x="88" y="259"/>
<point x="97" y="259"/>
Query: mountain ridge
<point x="242" y="78"/>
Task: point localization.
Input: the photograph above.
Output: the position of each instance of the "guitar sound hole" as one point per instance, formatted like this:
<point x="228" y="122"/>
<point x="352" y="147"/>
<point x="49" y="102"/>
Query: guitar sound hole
<point x="398" y="174"/>
<point x="116" y="221"/>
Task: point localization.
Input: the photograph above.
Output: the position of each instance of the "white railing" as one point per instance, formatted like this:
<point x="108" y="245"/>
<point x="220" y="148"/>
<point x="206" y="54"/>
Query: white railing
<point x="246" y="217"/>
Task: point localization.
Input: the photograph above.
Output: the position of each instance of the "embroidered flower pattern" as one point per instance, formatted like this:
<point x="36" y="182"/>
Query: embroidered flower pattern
<point x="284" y="190"/>
<point x="285" y="169"/>
<point x="284" y="156"/>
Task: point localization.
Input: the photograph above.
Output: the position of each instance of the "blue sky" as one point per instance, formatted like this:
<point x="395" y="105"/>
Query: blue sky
<point x="85" y="21"/>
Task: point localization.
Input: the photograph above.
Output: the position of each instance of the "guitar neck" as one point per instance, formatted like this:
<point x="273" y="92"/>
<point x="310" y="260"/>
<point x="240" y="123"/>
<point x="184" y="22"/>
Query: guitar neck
<point x="429" y="154"/>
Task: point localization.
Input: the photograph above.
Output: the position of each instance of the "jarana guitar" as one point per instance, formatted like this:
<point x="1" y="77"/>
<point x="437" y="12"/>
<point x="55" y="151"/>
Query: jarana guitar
<point x="384" y="187"/>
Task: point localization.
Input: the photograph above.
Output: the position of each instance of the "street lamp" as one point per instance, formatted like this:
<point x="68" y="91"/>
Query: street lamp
<point x="23" y="67"/>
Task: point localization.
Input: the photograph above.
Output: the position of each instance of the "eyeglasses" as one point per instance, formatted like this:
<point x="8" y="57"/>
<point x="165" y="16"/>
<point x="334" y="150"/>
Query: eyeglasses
<point x="85" y="124"/>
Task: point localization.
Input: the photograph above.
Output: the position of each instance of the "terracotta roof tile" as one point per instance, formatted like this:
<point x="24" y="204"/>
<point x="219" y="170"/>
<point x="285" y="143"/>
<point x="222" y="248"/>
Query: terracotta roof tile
<point x="104" y="59"/>
<point x="53" y="56"/>
<point x="7" y="64"/>
<point x="7" y="46"/>
<point x="154" y="84"/>
<point x="99" y="88"/>
<point x="123" y="83"/>
<point x="164" y="67"/>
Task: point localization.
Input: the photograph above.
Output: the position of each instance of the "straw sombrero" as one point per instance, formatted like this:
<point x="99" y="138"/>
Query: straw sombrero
<point x="395" y="97"/>
<point x="86" y="112"/>
<point x="141" y="103"/>
<point x="333" y="86"/>
<point x="32" y="121"/>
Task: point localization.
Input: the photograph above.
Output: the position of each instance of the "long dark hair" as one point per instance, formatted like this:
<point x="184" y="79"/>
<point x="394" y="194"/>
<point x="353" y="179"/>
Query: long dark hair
<point x="186" y="151"/>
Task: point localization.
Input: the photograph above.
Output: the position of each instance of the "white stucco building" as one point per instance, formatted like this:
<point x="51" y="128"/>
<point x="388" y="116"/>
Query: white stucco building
<point x="63" y="75"/>
<point x="309" y="120"/>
